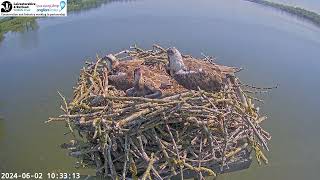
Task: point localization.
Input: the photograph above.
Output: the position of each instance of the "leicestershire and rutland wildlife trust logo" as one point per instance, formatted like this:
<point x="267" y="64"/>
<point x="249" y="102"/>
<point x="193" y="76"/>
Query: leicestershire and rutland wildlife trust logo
<point x="6" y="6"/>
<point x="33" y="8"/>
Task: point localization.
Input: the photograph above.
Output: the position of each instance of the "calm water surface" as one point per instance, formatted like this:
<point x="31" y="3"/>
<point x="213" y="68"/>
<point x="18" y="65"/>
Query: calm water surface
<point x="273" y="47"/>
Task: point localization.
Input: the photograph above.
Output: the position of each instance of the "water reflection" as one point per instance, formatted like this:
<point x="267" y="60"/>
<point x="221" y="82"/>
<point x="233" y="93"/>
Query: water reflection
<point x="19" y="25"/>
<point x="27" y="24"/>
<point x="2" y="123"/>
<point x="29" y="40"/>
<point x="76" y="6"/>
<point x="2" y="129"/>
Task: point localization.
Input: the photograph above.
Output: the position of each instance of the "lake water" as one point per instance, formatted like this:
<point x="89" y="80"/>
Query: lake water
<point x="273" y="47"/>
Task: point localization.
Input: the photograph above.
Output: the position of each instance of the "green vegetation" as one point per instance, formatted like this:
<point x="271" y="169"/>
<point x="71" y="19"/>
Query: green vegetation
<point x="21" y="24"/>
<point x="18" y="24"/>
<point x="78" y="5"/>
<point x="300" y="12"/>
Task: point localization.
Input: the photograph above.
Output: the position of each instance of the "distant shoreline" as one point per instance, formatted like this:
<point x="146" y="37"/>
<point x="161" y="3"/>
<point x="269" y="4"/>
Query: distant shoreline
<point x="297" y="11"/>
<point x="21" y="24"/>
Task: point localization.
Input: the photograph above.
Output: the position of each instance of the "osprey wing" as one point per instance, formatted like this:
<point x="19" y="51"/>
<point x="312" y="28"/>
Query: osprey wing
<point x="194" y="79"/>
<point x="121" y="81"/>
<point x="215" y="69"/>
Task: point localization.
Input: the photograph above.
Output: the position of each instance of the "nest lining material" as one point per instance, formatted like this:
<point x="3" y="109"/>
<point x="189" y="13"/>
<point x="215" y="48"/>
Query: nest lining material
<point x="187" y="131"/>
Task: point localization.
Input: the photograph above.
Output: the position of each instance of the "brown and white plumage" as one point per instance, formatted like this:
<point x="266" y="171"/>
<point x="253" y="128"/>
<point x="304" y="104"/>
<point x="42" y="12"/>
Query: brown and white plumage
<point x="201" y="79"/>
<point x="192" y="73"/>
<point x="121" y="75"/>
<point x="121" y="72"/>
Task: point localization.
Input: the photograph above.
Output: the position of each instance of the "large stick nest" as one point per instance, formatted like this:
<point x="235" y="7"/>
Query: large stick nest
<point x="192" y="131"/>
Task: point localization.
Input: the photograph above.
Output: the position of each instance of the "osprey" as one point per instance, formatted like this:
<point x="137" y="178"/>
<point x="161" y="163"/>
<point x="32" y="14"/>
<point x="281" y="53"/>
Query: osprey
<point x="192" y="73"/>
<point x="143" y="87"/>
<point x="121" y="72"/>
<point x="122" y="76"/>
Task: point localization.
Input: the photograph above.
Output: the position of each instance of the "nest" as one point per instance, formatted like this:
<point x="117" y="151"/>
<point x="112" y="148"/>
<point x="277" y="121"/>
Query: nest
<point x="193" y="132"/>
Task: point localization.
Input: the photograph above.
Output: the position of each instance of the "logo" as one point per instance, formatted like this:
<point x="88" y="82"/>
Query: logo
<point x="7" y="6"/>
<point x="33" y="8"/>
<point x="62" y="5"/>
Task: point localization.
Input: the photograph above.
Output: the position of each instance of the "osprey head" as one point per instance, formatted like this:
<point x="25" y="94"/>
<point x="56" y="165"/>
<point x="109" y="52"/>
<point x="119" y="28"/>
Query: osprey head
<point x="173" y="54"/>
<point x="175" y="60"/>
<point x="171" y="51"/>
<point x="137" y="74"/>
<point x="111" y="61"/>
